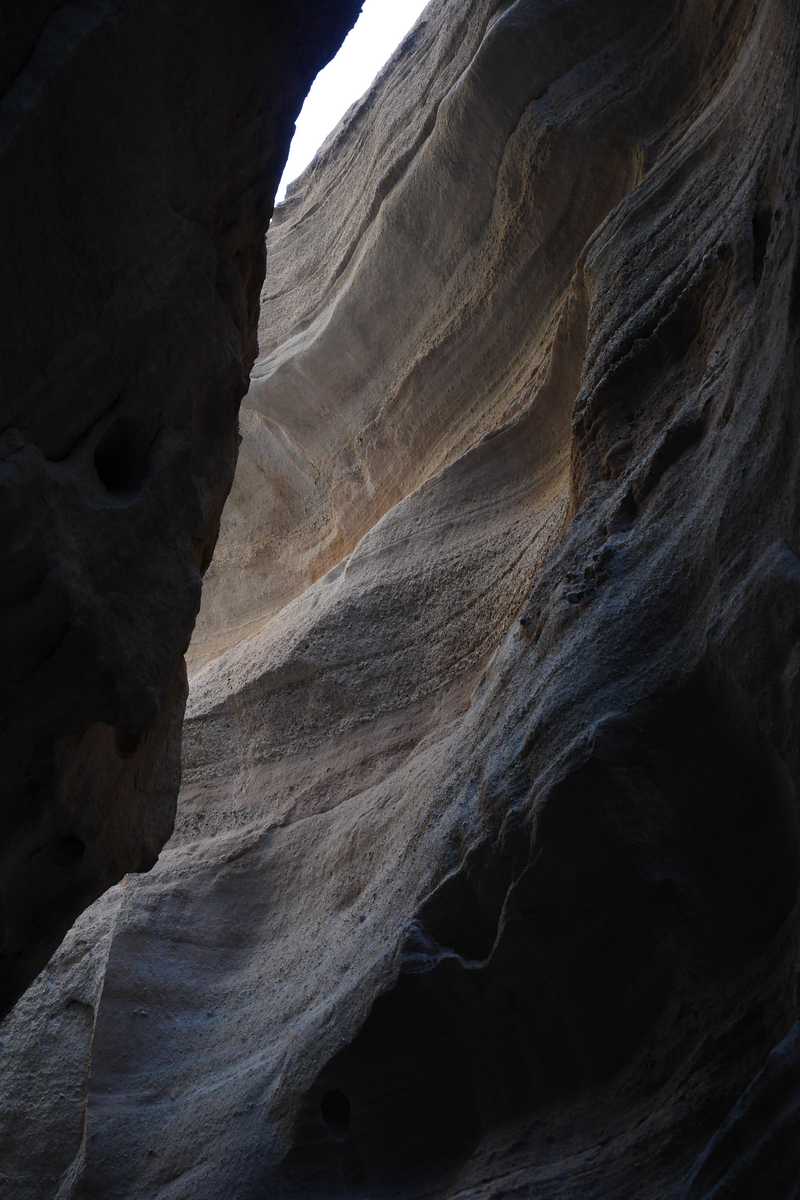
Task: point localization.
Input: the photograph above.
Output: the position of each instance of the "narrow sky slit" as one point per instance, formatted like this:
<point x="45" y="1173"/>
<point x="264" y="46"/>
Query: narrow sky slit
<point x="378" y="31"/>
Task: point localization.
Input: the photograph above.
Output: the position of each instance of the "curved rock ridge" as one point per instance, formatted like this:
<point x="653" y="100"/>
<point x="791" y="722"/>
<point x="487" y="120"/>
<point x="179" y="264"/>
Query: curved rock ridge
<point x="140" y="144"/>
<point x="485" y="873"/>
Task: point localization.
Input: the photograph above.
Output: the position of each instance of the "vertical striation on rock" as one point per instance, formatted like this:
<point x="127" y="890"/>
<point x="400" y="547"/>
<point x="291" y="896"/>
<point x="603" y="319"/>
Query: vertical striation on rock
<point x="140" y="147"/>
<point x="485" y="873"/>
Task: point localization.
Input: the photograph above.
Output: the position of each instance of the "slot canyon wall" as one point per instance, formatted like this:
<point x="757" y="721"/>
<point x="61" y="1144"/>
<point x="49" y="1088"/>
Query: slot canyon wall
<point x="141" y="142"/>
<point x="484" y="878"/>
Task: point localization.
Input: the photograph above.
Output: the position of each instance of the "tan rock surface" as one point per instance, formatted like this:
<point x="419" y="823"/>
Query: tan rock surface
<point x="393" y="329"/>
<point x="485" y="874"/>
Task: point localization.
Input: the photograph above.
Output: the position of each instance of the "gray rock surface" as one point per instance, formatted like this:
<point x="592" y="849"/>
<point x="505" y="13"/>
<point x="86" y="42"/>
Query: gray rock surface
<point x="484" y="880"/>
<point x="140" y="145"/>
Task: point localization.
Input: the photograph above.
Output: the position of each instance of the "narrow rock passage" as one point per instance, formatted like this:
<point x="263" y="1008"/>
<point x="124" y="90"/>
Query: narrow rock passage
<point x="485" y="874"/>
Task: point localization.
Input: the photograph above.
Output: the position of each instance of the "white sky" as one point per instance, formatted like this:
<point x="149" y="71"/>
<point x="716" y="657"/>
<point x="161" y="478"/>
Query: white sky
<point x="378" y="31"/>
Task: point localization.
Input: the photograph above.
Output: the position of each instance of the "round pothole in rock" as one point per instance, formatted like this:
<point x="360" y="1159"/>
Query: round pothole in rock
<point x="336" y="1114"/>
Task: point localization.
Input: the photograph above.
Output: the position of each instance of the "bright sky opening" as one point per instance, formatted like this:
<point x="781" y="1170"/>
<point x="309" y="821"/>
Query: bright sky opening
<point x="377" y="33"/>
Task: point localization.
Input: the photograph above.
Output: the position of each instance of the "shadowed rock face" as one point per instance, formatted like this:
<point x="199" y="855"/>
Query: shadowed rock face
<point x="140" y="145"/>
<point x="485" y="872"/>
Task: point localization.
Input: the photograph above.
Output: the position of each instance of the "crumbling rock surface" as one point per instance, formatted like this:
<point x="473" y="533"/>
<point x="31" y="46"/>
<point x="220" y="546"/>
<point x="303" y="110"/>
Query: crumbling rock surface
<point x="140" y="146"/>
<point x="485" y="874"/>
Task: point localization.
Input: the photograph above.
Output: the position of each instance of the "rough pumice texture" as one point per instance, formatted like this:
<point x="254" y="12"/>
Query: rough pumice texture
<point x="485" y="875"/>
<point x="140" y="146"/>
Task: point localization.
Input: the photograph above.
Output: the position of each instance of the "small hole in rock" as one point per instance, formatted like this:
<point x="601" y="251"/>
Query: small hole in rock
<point x="794" y="291"/>
<point x="120" y="457"/>
<point x="762" y="224"/>
<point x="67" y="851"/>
<point x="336" y="1114"/>
<point x="627" y="511"/>
<point x="126" y="743"/>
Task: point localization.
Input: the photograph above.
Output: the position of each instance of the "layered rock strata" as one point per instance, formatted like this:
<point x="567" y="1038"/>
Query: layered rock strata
<point x="140" y="147"/>
<point x="485" y="875"/>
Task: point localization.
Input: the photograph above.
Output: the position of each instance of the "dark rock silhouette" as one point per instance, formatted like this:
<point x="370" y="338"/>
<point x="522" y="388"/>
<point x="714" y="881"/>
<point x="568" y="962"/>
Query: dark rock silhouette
<point x="140" y="147"/>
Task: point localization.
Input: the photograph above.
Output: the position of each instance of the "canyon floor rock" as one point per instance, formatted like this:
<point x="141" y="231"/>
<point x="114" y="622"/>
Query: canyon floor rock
<point x="484" y="879"/>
